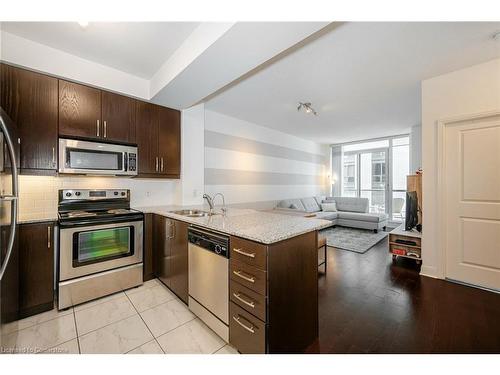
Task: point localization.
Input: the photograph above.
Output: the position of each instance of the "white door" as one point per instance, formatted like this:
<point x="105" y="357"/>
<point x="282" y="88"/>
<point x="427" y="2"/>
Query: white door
<point x="472" y="202"/>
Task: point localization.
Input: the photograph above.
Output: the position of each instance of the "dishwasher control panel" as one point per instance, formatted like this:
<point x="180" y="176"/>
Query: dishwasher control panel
<point x="210" y="241"/>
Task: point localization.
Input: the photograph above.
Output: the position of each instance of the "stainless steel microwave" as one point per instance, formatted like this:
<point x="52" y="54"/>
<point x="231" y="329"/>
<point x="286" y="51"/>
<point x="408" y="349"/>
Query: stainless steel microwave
<point x="96" y="158"/>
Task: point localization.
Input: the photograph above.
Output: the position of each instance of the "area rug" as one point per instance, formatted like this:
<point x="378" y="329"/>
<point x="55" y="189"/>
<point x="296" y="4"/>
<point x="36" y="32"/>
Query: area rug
<point x="353" y="239"/>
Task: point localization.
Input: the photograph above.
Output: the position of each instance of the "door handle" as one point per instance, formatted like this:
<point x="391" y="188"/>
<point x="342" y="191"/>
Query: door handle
<point x="53" y="156"/>
<point x="48" y="237"/>
<point x="105" y="124"/>
<point x="161" y="167"/>
<point x="248" y="303"/>
<point x="156" y="168"/>
<point x="98" y="126"/>
<point x="8" y="198"/>
<point x="247" y="278"/>
<point x="240" y="251"/>
<point x="249" y="329"/>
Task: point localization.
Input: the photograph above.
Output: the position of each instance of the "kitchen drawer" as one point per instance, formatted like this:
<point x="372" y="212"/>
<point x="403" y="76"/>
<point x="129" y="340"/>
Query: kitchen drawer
<point x="249" y="300"/>
<point x="248" y="276"/>
<point x="249" y="252"/>
<point x="246" y="332"/>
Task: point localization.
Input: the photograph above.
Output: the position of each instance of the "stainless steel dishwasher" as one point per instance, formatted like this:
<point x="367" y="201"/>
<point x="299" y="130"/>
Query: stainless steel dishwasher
<point x="209" y="279"/>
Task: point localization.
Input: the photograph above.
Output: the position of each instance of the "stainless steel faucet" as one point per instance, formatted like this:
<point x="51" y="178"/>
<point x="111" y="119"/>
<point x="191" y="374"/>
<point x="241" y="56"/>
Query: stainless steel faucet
<point x="210" y="200"/>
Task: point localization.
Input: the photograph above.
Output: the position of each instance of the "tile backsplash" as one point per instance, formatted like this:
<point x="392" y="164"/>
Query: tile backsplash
<point x="38" y="194"/>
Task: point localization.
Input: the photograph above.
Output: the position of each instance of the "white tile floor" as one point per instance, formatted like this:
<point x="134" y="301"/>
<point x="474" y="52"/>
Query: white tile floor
<point x="145" y="320"/>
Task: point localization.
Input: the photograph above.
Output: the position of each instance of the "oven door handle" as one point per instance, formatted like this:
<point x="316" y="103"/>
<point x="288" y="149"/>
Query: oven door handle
<point x="79" y="223"/>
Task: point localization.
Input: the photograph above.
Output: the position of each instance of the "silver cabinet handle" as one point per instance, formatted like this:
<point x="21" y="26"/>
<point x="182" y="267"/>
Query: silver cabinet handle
<point x="249" y="329"/>
<point x="48" y="237"/>
<point x="161" y="167"/>
<point x="238" y="297"/>
<point x="156" y="168"/>
<point x="53" y="156"/>
<point x="98" y="126"/>
<point x="240" y="251"/>
<point x="105" y="129"/>
<point x="172" y="230"/>
<point x="240" y="274"/>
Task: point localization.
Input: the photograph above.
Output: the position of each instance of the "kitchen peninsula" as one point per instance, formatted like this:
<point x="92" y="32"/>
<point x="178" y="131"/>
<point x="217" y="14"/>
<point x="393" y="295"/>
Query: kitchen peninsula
<point x="272" y="272"/>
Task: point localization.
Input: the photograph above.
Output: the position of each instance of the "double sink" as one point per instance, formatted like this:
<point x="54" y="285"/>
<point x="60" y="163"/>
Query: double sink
<point x="193" y="213"/>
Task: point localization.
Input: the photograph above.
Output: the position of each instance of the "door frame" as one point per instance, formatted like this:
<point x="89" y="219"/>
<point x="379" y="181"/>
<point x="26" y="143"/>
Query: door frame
<point x="442" y="126"/>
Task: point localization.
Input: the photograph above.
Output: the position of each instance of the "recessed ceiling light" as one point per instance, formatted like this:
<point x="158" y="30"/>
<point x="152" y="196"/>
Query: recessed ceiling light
<point x="496" y="36"/>
<point x="83" y="24"/>
<point x="307" y="108"/>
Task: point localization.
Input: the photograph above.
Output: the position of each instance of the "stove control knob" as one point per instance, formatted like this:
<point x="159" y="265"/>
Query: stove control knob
<point x="68" y="194"/>
<point x="218" y="249"/>
<point x="115" y="193"/>
<point x="123" y="193"/>
<point x="78" y="193"/>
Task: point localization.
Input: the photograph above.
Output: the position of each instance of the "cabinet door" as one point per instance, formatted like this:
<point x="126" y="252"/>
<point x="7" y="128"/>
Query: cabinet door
<point x="9" y="291"/>
<point x="147" y="137"/>
<point x="79" y="110"/>
<point x="162" y="233"/>
<point x="36" y="271"/>
<point x="179" y="260"/>
<point x="30" y="99"/>
<point x="149" y="260"/>
<point x="118" y="117"/>
<point x="169" y="142"/>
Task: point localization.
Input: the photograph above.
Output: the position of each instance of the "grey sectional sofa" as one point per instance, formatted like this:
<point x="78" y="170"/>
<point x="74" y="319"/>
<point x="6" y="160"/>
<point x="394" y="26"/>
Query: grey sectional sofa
<point x="351" y="212"/>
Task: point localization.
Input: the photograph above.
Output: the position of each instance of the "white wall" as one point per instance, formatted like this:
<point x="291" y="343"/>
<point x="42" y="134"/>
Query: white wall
<point x="193" y="156"/>
<point x="415" y="148"/>
<point x="251" y="163"/>
<point x="473" y="90"/>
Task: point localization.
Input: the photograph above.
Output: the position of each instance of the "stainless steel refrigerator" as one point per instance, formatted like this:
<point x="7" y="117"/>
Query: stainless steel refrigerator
<point x="9" y="277"/>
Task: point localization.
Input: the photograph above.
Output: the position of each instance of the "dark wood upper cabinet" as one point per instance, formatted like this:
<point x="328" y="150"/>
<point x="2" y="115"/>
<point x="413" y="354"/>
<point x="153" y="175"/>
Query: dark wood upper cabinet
<point x="147" y="137"/>
<point x="79" y="110"/>
<point x="30" y="99"/>
<point x="169" y="136"/>
<point x="118" y="117"/>
<point x="158" y="135"/>
<point x="36" y="268"/>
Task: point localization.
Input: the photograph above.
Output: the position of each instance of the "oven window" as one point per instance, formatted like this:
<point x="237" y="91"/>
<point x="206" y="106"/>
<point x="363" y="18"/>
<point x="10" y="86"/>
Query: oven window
<point x="103" y="244"/>
<point x="94" y="159"/>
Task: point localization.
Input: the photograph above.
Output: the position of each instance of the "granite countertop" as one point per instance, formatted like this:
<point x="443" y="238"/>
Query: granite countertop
<point x="263" y="227"/>
<point x="29" y="219"/>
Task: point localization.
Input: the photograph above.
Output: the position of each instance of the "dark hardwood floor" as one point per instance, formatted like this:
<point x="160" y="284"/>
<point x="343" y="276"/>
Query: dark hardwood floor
<point x="367" y="304"/>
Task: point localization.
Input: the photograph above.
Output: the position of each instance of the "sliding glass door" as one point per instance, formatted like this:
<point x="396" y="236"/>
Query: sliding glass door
<point x="377" y="170"/>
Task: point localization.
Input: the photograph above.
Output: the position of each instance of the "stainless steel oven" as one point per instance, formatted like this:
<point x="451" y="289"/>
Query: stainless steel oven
<point x="96" y="158"/>
<point x="100" y="245"/>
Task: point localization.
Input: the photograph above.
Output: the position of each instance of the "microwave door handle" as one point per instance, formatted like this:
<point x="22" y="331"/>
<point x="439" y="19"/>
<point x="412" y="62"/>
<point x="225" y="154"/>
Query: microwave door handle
<point x="125" y="162"/>
<point x="13" y="198"/>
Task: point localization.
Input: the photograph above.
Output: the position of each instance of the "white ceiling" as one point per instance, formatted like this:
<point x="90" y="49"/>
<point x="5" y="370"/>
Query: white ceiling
<point x="362" y="78"/>
<point x="138" y="48"/>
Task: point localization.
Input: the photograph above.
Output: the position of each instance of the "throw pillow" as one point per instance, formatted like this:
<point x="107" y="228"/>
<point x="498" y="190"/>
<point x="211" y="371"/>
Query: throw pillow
<point x="329" y="207"/>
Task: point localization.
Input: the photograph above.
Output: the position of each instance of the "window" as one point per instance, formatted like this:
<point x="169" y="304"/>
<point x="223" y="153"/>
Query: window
<point x="377" y="170"/>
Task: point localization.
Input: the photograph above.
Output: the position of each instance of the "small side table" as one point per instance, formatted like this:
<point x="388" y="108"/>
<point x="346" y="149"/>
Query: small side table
<point x="406" y="244"/>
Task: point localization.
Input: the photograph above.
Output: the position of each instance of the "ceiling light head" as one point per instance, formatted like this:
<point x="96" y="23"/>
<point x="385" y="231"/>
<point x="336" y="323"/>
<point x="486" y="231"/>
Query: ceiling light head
<point x="496" y="36"/>
<point x="307" y="108"/>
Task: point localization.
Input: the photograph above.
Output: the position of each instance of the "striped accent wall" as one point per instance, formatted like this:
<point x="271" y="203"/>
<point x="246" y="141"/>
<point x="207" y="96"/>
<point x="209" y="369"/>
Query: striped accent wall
<point x="251" y="163"/>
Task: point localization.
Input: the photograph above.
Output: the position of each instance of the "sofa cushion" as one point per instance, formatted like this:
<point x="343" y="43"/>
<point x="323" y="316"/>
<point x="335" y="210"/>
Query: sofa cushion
<point x="326" y="215"/>
<point x="287" y="203"/>
<point x="374" y="218"/>
<point x="329" y="206"/>
<point x="319" y="199"/>
<point x="310" y="204"/>
<point x="352" y="204"/>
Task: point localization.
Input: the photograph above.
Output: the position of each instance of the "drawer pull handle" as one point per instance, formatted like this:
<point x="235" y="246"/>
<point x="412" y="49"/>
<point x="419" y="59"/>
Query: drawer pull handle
<point x="248" y="303"/>
<point x="249" y="329"/>
<point x="239" y="251"/>
<point x="240" y="274"/>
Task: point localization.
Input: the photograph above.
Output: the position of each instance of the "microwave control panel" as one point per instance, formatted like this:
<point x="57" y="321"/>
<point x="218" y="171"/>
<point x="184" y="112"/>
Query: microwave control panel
<point x="132" y="162"/>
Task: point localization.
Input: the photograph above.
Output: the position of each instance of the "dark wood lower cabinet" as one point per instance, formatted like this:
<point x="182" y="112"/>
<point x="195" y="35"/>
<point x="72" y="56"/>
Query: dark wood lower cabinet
<point x="274" y="295"/>
<point x="147" y="254"/>
<point x="10" y="281"/>
<point x="36" y="268"/>
<point x="170" y="254"/>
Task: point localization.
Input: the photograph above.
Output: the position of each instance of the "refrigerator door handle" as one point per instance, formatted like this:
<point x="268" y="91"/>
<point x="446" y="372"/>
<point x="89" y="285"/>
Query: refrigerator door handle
<point x="12" y="198"/>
